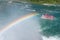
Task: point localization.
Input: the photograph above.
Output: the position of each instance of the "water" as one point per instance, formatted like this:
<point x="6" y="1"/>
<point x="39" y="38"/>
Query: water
<point x="49" y="28"/>
<point x="10" y="11"/>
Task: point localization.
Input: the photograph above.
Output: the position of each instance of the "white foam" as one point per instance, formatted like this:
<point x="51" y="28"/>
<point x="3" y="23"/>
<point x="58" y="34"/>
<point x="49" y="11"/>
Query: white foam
<point x="9" y="1"/>
<point x="49" y="4"/>
<point x="50" y="38"/>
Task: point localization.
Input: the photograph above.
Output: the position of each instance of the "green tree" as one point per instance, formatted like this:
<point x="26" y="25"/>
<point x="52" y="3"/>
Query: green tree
<point x="46" y="1"/>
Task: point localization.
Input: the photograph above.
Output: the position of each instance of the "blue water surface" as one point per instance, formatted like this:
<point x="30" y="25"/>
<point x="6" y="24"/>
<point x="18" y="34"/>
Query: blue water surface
<point x="28" y="30"/>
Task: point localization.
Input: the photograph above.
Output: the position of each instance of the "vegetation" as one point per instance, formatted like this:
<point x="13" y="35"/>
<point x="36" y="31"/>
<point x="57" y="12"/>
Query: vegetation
<point x="45" y="1"/>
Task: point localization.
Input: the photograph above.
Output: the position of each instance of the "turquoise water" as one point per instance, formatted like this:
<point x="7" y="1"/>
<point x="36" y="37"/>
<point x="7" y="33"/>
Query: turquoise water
<point x="14" y="10"/>
<point x="49" y="27"/>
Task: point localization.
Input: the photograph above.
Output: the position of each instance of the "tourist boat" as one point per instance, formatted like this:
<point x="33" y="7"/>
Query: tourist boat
<point x="46" y="16"/>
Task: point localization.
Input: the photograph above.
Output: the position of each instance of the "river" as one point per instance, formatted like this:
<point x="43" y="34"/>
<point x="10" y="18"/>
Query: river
<point x="33" y="28"/>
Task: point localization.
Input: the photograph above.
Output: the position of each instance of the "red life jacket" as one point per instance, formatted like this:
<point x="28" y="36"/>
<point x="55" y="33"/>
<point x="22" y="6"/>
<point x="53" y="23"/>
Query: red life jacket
<point x="48" y="16"/>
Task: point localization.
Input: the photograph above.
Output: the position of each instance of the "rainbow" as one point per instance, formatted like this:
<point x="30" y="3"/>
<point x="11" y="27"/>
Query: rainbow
<point x="17" y="21"/>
